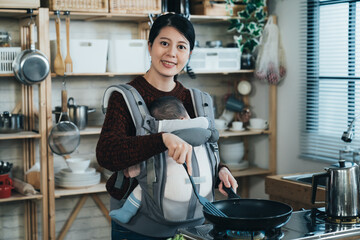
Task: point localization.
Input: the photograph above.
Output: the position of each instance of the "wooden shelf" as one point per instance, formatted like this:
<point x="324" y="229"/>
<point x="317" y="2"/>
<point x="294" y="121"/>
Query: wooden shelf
<point x="61" y="192"/>
<point x="252" y="171"/>
<point x="15" y="196"/>
<point x="7" y="75"/>
<point x="226" y="134"/>
<point x="110" y="74"/>
<point x="16" y="13"/>
<point x="92" y="130"/>
<point x="19" y="135"/>
<point x="85" y="16"/>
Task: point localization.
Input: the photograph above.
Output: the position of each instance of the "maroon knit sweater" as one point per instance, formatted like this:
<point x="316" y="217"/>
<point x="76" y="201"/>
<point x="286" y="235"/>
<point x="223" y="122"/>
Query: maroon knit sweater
<point x="118" y="146"/>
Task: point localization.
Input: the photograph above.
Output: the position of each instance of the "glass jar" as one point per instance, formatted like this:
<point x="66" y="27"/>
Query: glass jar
<point x="5" y="39"/>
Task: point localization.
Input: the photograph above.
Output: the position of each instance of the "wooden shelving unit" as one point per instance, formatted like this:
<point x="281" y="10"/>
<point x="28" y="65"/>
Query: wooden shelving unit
<point x="28" y="137"/>
<point x="20" y="135"/>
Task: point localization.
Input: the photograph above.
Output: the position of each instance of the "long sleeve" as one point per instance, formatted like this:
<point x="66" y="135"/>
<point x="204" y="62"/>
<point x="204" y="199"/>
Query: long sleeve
<point x="118" y="147"/>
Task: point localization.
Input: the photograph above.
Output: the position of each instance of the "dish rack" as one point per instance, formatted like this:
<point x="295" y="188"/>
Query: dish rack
<point x="135" y="6"/>
<point x="7" y="56"/>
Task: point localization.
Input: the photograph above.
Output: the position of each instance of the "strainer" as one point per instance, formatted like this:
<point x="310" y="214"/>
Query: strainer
<point x="64" y="137"/>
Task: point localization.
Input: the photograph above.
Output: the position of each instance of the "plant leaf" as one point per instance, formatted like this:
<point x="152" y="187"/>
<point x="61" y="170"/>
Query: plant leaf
<point x="233" y="24"/>
<point x="250" y="8"/>
<point x="243" y="14"/>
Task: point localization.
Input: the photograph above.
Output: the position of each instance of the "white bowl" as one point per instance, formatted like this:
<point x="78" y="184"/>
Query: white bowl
<point x="231" y="152"/>
<point x="78" y="165"/>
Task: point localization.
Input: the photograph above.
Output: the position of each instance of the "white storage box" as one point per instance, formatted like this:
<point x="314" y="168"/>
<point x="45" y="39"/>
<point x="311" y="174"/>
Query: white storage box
<point x="7" y="56"/>
<point x="215" y="59"/>
<point x="88" y="56"/>
<point x="128" y="56"/>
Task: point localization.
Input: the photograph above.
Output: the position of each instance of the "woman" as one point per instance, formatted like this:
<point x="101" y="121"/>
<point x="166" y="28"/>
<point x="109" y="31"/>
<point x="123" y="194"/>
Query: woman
<point x="171" y="41"/>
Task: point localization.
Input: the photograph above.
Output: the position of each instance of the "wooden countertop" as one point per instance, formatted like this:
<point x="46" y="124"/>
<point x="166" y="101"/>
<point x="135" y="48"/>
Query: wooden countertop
<point x="296" y="194"/>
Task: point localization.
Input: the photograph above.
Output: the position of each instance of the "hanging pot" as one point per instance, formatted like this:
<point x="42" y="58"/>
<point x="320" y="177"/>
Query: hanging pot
<point x="31" y="66"/>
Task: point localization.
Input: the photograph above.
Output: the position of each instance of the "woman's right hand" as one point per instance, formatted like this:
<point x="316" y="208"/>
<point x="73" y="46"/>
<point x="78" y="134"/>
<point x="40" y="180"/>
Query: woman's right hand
<point x="179" y="150"/>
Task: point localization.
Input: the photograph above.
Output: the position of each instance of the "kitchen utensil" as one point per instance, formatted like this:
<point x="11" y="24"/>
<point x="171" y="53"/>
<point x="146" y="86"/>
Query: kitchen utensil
<point x="206" y="203"/>
<point x="249" y="214"/>
<point x="31" y="66"/>
<point x="10" y="123"/>
<point x="64" y="137"/>
<point x="68" y="61"/>
<point x="342" y="189"/>
<point x="78" y="113"/>
<point x="59" y="66"/>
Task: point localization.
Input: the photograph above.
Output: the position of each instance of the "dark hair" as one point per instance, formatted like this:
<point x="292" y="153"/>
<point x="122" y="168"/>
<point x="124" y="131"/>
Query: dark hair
<point x="168" y="107"/>
<point x="182" y="24"/>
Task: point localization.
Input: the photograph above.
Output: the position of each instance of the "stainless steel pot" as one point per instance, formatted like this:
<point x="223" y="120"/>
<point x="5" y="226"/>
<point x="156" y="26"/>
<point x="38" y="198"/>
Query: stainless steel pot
<point x="78" y="114"/>
<point x="342" y="190"/>
<point x="10" y="123"/>
<point x="31" y="66"/>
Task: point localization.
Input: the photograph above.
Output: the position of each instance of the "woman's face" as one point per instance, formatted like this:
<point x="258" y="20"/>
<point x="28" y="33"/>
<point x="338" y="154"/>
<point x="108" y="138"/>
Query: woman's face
<point x="169" y="52"/>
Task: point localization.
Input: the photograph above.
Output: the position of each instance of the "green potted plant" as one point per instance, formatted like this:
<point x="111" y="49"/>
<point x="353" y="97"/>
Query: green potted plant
<point x="249" y="25"/>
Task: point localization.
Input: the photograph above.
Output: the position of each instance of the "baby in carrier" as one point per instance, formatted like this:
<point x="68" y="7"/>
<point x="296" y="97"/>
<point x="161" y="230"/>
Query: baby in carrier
<point x="171" y="110"/>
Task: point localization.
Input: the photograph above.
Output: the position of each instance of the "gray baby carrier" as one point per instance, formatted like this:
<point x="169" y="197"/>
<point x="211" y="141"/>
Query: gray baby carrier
<point x="152" y="175"/>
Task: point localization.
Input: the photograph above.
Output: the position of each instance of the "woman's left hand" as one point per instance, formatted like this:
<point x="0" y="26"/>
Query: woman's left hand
<point x="226" y="179"/>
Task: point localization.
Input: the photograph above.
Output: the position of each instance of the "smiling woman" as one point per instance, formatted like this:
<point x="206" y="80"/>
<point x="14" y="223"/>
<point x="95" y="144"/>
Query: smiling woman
<point x="169" y="53"/>
<point x="121" y="145"/>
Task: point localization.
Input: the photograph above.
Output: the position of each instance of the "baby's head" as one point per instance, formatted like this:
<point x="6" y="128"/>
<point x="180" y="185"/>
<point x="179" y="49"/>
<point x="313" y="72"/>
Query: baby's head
<point x="169" y="108"/>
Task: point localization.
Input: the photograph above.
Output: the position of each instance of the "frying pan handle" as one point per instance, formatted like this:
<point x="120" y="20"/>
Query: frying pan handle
<point x="231" y="193"/>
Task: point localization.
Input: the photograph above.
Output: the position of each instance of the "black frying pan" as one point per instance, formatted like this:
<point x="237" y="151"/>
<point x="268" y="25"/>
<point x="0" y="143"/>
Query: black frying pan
<point x="249" y="214"/>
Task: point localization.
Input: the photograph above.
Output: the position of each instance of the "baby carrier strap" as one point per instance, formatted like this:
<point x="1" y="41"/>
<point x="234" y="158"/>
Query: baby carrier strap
<point x="143" y="121"/>
<point x="204" y="107"/>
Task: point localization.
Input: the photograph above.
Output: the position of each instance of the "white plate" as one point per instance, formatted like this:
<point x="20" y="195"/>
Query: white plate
<point x="68" y="172"/>
<point x="238" y="166"/>
<point x="77" y="178"/>
<point x="237" y="130"/>
<point x="78" y="184"/>
<point x="244" y="87"/>
<point x="255" y="129"/>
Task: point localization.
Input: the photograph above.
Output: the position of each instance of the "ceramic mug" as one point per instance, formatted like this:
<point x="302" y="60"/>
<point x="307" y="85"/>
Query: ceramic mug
<point x="237" y="125"/>
<point x="258" y="123"/>
<point x="227" y="115"/>
<point x="234" y="104"/>
<point x="220" y="124"/>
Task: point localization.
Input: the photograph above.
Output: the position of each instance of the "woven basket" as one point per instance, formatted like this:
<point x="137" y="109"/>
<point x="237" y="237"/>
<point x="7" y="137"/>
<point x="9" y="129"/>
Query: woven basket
<point x="77" y="5"/>
<point x="135" y="6"/>
<point x="212" y="8"/>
